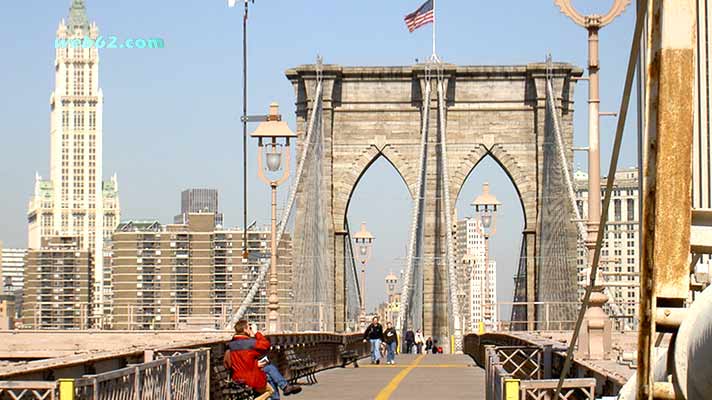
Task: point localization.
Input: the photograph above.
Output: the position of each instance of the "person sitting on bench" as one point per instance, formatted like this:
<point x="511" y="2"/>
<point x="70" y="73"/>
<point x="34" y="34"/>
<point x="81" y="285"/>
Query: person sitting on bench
<point x="246" y="357"/>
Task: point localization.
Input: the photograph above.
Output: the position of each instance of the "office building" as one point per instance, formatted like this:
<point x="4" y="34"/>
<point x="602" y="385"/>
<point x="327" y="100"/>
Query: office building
<point x="620" y="253"/>
<point x="58" y="285"/>
<point x="187" y="275"/>
<point x="75" y="200"/>
<point x="198" y="201"/>
<point x="477" y="276"/>
<point x="12" y="269"/>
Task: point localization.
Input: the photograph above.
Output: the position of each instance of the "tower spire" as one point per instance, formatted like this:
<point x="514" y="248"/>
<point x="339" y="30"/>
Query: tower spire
<point x="78" y="20"/>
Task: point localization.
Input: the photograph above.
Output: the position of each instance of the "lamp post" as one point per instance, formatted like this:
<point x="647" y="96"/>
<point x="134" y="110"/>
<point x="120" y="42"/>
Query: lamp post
<point x="593" y="23"/>
<point x="273" y="136"/>
<point x="486" y="206"/>
<point x="364" y="241"/>
<point x="244" y="118"/>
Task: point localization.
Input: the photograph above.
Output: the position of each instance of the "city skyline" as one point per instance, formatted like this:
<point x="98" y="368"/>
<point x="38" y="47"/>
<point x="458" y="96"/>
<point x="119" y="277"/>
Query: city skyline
<point x="145" y="149"/>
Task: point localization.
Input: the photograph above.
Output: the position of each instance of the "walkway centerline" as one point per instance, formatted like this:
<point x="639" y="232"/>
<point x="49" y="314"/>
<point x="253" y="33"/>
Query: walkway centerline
<point x="386" y="392"/>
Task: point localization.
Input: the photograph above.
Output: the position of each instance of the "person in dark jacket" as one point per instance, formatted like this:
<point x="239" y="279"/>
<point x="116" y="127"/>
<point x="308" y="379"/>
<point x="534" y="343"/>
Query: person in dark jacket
<point x="374" y="334"/>
<point x="409" y="341"/>
<point x="246" y="357"/>
<point x="428" y="345"/>
<point x="391" y="338"/>
<point x="435" y="346"/>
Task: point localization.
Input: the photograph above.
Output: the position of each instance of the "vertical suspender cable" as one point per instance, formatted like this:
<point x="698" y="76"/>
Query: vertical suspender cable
<point x="418" y="205"/>
<point x="316" y="113"/>
<point x="450" y="257"/>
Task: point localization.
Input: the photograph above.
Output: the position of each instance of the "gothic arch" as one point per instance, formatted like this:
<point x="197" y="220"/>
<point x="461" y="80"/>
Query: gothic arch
<point x="362" y="163"/>
<point x="525" y="188"/>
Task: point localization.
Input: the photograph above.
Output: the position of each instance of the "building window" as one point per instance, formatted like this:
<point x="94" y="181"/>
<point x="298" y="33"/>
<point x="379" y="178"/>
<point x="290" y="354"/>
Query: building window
<point x="78" y="81"/>
<point x="617" y="209"/>
<point x="65" y="119"/>
<point x="78" y="121"/>
<point x="630" y="205"/>
<point x="92" y="120"/>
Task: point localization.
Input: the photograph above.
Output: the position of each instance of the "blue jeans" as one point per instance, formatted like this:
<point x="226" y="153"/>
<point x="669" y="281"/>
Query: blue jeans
<point x="275" y="379"/>
<point x="392" y="351"/>
<point x="375" y="349"/>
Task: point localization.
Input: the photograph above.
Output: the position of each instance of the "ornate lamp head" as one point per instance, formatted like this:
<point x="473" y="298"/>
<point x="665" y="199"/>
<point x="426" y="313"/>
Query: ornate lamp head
<point x="593" y="20"/>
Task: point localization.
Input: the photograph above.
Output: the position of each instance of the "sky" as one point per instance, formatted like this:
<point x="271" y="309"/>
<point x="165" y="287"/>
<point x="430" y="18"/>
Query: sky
<point x="171" y="116"/>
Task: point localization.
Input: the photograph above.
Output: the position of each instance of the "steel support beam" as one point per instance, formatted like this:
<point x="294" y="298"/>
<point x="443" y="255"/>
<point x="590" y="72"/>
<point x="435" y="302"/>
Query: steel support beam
<point x="667" y="200"/>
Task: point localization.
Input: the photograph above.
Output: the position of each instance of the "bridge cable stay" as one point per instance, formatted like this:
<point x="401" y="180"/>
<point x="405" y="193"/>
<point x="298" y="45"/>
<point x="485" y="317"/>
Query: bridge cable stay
<point x="353" y="288"/>
<point x="289" y="210"/>
<point x="313" y="306"/>
<point x="410" y="314"/>
<point x="454" y="306"/>
<point x="613" y="166"/>
<point x="581" y="228"/>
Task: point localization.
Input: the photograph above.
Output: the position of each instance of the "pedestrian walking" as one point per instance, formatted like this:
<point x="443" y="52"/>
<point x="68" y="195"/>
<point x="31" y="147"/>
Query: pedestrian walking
<point x="409" y="341"/>
<point x="374" y="335"/>
<point x="419" y="341"/>
<point x="391" y="338"/>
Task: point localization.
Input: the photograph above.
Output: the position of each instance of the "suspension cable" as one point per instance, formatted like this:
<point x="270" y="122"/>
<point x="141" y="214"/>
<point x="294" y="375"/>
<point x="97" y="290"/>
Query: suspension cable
<point x="418" y="203"/>
<point x="581" y="228"/>
<point x="290" y="204"/>
<point x="450" y="259"/>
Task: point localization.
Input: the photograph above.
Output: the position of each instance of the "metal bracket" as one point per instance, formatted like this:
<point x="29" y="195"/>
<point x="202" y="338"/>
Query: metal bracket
<point x="254" y="118"/>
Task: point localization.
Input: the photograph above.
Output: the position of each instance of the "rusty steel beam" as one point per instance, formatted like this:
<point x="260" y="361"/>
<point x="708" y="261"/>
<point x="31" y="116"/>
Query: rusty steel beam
<point x="667" y="201"/>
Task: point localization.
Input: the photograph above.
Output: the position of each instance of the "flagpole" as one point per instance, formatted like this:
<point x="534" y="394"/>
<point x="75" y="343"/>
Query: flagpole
<point x="435" y="55"/>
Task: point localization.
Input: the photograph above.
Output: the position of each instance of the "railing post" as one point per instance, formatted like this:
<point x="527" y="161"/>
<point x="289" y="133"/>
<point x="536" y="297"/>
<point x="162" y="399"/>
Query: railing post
<point x="547" y="361"/>
<point x="546" y="308"/>
<point x="137" y="384"/>
<point x="196" y="377"/>
<point x="207" y="374"/>
<point x="66" y="389"/>
<point x="168" y="379"/>
<point x="148" y="355"/>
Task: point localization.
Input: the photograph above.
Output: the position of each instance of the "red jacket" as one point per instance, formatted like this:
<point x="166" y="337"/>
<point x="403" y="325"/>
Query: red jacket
<point x="244" y="354"/>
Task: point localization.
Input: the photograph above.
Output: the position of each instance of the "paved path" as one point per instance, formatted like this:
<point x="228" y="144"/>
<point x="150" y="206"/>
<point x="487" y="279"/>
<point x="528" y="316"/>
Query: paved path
<point x="429" y="377"/>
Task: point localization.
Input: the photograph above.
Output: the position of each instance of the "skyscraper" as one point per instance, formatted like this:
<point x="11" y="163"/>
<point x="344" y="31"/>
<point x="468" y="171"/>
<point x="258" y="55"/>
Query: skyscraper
<point x="477" y="287"/>
<point x="75" y="201"/>
<point x="198" y="201"/>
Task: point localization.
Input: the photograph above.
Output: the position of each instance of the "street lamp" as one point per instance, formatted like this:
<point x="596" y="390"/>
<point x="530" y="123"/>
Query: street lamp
<point x="593" y="23"/>
<point x="486" y="206"/>
<point x="274" y="137"/>
<point x="364" y="241"/>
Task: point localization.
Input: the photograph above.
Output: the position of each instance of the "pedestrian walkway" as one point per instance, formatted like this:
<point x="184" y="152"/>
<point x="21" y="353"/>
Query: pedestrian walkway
<point x="431" y="376"/>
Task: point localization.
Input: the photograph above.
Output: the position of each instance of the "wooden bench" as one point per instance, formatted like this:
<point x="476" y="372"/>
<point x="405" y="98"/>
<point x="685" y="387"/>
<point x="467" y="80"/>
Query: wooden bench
<point x="348" y="357"/>
<point x="300" y="367"/>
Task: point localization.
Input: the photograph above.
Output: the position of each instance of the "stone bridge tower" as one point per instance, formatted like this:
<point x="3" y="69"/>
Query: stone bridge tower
<point x="497" y="111"/>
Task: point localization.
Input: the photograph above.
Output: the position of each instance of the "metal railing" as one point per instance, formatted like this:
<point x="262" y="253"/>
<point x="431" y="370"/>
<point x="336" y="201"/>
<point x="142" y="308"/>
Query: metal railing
<point x="497" y="377"/>
<point x="573" y="389"/>
<point x="516" y="372"/>
<point x="29" y="390"/>
<point x="176" y="377"/>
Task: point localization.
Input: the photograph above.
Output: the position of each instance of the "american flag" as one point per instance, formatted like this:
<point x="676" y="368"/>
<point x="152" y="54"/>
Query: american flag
<point x="422" y="16"/>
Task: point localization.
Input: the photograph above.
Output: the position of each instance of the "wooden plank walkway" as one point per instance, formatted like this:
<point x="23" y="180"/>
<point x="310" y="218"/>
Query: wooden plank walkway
<point x="431" y="376"/>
